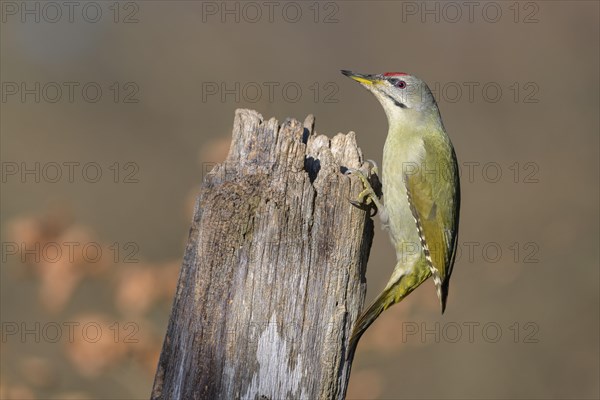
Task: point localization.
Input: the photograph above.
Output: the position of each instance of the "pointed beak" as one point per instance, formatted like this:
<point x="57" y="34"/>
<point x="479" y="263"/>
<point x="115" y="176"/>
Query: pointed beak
<point x="362" y="78"/>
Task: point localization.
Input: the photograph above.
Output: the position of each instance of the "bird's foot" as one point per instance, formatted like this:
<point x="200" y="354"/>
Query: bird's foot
<point x="367" y="196"/>
<point x="374" y="169"/>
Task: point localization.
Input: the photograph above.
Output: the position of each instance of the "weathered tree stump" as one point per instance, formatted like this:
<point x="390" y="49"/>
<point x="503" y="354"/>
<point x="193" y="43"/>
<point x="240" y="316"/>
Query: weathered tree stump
<point x="272" y="279"/>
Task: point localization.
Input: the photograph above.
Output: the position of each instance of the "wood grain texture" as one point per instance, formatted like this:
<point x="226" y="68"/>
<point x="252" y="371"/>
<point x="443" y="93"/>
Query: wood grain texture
<point x="272" y="279"/>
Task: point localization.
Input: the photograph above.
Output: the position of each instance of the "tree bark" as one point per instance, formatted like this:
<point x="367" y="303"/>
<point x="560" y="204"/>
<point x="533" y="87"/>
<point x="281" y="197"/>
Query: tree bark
<point x="272" y="279"/>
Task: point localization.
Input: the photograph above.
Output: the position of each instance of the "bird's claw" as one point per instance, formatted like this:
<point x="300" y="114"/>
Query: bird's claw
<point x="367" y="197"/>
<point x="362" y="206"/>
<point x="374" y="168"/>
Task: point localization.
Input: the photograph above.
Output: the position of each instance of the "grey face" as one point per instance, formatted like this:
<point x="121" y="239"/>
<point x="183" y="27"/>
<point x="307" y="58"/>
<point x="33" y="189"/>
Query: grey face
<point x="402" y="91"/>
<point x="399" y="94"/>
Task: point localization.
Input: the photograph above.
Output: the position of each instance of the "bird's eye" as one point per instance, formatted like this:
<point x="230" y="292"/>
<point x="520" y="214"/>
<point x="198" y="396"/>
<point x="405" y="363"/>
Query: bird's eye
<point x="400" y="84"/>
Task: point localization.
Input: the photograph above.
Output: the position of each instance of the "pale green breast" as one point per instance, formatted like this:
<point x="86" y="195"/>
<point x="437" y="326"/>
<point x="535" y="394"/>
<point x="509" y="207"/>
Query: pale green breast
<point x="400" y="155"/>
<point x="425" y="157"/>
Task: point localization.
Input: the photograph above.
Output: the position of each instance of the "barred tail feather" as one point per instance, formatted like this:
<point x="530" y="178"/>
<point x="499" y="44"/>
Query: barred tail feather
<point x="382" y="303"/>
<point x="394" y="293"/>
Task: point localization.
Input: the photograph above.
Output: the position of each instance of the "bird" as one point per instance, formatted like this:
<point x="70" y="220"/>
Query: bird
<point x="420" y="205"/>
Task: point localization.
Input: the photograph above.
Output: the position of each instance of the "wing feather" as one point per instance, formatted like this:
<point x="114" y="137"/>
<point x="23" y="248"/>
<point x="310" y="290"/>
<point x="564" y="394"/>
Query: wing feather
<point x="434" y="199"/>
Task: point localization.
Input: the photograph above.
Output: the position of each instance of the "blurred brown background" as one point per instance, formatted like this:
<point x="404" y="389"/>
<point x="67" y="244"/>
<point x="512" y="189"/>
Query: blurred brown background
<point x="143" y="93"/>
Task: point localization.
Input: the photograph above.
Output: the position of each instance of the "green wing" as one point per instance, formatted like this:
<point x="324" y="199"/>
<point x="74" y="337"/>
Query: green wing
<point x="434" y="197"/>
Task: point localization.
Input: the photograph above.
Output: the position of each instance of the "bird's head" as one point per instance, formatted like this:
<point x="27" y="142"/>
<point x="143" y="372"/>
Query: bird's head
<point x="402" y="96"/>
